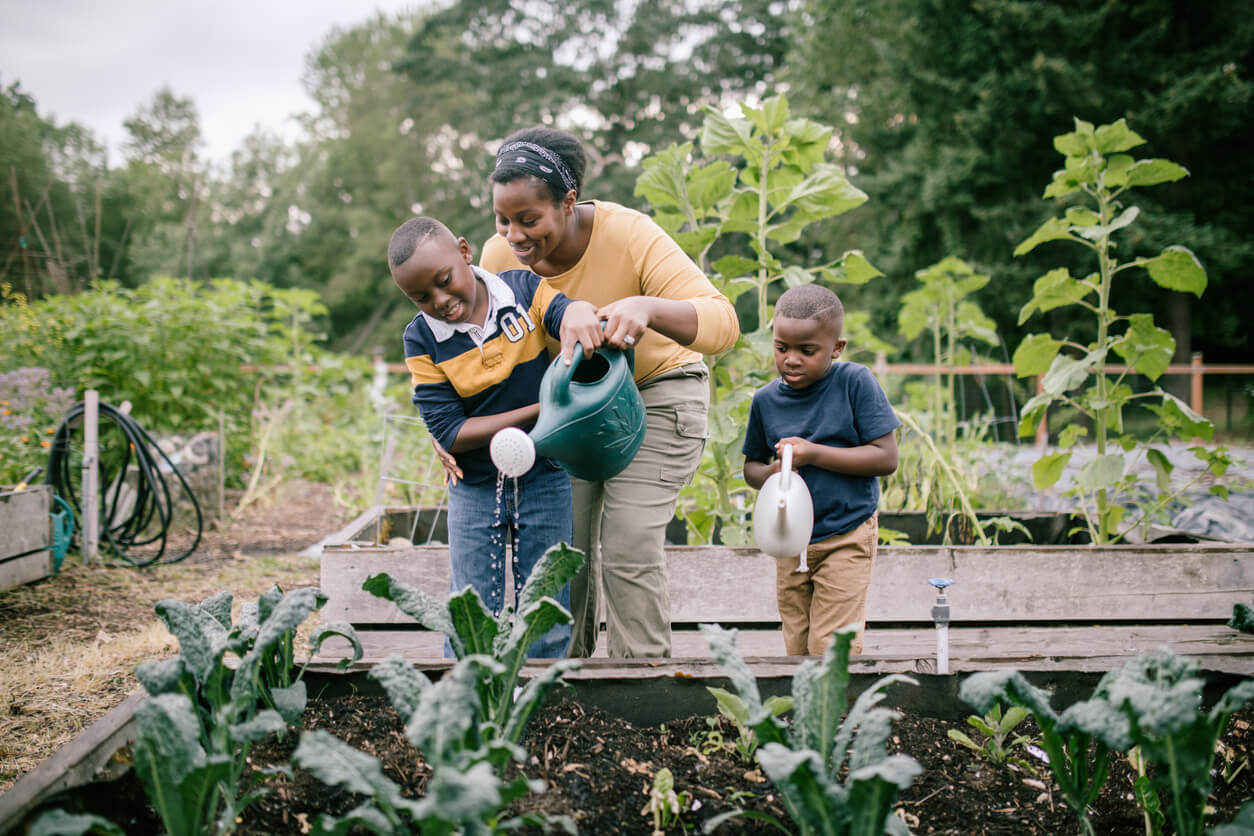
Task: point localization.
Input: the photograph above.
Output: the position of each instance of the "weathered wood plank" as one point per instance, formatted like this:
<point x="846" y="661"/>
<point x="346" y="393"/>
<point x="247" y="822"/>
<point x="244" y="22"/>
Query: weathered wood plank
<point x="16" y="571"/>
<point x="25" y="520"/>
<point x="1010" y="583"/>
<point x="970" y="648"/>
<point x="76" y="763"/>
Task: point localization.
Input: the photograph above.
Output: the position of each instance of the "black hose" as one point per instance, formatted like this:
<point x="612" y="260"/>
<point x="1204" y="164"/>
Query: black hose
<point x="148" y="521"/>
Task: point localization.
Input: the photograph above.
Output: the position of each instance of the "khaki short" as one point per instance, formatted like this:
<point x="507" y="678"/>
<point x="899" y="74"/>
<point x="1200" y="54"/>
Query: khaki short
<point x="812" y="605"/>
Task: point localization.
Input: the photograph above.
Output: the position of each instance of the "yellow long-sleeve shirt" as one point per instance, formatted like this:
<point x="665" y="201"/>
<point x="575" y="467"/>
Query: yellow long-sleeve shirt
<point x="630" y="255"/>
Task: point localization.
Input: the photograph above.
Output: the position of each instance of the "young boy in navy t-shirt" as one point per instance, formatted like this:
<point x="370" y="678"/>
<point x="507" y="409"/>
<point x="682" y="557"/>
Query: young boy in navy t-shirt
<point x="841" y="425"/>
<point x="476" y="354"/>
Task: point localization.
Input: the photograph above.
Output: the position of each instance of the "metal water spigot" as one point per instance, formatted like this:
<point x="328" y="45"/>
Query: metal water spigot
<point x="940" y="617"/>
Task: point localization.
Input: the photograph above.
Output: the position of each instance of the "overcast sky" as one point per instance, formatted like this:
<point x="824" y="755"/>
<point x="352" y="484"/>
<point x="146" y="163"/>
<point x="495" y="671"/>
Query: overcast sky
<point x="240" y="61"/>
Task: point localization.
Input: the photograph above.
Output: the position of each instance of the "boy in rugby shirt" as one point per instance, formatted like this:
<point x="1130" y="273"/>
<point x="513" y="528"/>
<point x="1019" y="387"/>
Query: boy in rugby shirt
<point x="476" y="353"/>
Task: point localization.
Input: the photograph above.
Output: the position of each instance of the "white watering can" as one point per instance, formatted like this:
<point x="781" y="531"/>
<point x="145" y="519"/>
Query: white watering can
<point x="783" y="516"/>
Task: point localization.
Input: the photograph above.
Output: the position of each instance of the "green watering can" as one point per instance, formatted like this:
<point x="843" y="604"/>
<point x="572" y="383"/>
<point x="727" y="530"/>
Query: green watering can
<point x="591" y="419"/>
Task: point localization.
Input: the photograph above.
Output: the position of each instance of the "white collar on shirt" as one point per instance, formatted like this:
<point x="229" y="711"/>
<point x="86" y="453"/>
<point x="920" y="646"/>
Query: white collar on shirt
<point x="499" y="296"/>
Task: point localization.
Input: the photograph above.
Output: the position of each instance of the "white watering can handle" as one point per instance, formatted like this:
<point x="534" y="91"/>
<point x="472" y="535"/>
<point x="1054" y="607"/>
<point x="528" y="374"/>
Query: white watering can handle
<point x="785" y="469"/>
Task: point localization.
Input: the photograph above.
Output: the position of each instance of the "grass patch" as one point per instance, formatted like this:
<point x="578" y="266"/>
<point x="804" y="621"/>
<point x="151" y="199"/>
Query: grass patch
<point x="69" y="644"/>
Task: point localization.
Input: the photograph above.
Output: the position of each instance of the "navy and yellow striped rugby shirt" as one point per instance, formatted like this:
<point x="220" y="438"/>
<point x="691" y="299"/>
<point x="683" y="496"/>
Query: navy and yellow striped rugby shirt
<point x="455" y="378"/>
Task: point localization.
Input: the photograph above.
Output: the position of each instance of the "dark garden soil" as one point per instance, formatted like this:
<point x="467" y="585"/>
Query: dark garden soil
<point x="599" y="769"/>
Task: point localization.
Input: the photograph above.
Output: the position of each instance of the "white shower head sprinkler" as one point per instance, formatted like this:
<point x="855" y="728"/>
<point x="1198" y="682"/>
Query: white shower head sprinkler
<point x="512" y="451"/>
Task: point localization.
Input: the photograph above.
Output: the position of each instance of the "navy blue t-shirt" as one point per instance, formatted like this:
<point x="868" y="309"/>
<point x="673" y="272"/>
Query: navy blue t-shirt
<point x="847" y="408"/>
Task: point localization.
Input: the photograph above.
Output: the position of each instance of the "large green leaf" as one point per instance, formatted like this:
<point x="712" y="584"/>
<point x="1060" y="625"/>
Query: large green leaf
<point x="1066" y="373"/>
<point x="661" y="181"/>
<point x="1096" y="233"/>
<point x="288" y="615"/>
<point x="462" y="798"/>
<point x="873" y="790"/>
<point x="342" y="629"/>
<point x="1153" y="172"/>
<point x="336" y="764"/>
<point x="1176" y="268"/>
<point x="1035" y="354"/>
<point x="1146" y="347"/>
<point x="60" y="823"/>
<point x="710" y="184"/>
<point x="800" y="778"/>
<point x="983" y="691"/>
<point x="402" y="682"/>
<point x="1100" y="473"/>
<point x="202" y="638"/>
<point x="551" y="574"/>
<point x="219" y="606"/>
<point x="722" y="135"/>
<point x="1110" y="139"/>
<point x="1048" y="469"/>
<point x="162" y="676"/>
<point x="427" y="610"/>
<point x="1179" y="420"/>
<point x="826" y="192"/>
<point x="732" y="266"/>
<point x="474" y="628"/>
<point x="449" y="710"/>
<point x="266" y="723"/>
<point x="1052" y="230"/>
<point x="857" y="269"/>
<point x="770" y="117"/>
<point x="290" y="701"/>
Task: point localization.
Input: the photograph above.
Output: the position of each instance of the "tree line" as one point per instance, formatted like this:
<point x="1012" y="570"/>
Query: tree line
<point x="945" y="110"/>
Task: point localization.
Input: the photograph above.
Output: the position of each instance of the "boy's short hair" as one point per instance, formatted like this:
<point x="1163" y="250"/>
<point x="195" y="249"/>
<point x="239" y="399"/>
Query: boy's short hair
<point x="811" y="301"/>
<point x="410" y="234"/>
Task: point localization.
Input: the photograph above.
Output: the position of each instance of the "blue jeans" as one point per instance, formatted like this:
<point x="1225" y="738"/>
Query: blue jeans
<point x="534" y="512"/>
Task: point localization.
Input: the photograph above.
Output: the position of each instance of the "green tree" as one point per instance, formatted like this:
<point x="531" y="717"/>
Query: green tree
<point x="166" y="180"/>
<point x="945" y="103"/>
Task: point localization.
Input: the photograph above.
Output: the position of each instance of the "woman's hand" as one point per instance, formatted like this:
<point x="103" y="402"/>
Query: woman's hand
<point x="626" y="320"/>
<point x="452" y="473"/>
<point x="581" y="325"/>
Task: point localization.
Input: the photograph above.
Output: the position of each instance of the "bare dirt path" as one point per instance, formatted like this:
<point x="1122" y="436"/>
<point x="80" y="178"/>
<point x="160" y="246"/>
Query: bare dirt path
<point x="69" y="644"/>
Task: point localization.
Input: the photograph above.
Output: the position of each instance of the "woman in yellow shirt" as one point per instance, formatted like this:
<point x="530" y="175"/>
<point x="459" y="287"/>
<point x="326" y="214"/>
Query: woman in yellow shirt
<point x="655" y="299"/>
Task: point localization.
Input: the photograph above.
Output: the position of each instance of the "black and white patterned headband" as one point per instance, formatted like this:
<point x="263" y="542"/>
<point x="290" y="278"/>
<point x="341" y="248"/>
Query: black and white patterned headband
<point x="540" y="161"/>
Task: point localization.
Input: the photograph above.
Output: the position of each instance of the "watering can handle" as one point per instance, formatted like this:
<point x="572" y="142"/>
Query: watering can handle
<point x="563" y="374"/>
<point x="785" y="469"/>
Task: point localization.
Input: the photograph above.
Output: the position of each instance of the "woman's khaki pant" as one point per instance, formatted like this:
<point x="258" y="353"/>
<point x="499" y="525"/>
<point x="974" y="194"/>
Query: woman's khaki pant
<point x="831" y="595"/>
<point x="620" y="524"/>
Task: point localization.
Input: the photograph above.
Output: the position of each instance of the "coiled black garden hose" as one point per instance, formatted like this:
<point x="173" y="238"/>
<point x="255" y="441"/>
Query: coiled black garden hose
<point x="148" y="521"/>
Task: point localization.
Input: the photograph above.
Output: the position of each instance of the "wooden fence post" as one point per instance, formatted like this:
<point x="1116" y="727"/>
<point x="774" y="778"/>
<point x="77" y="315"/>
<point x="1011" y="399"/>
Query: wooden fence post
<point x="90" y="539"/>
<point x="1195" y="383"/>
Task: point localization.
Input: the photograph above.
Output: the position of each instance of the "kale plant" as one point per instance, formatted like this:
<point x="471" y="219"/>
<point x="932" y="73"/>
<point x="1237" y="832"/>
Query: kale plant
<point x="196" y="731"/>
<point x="465" y="793"/>
<point x="1078" y="743"/>
<point x="994" y="728"/>
<point x="805" y="761"/>
<point x="468" y="724"/>
<point x="735" y="709"/>
<point x="472" y="630"/>
<point x="1160" y="694"/>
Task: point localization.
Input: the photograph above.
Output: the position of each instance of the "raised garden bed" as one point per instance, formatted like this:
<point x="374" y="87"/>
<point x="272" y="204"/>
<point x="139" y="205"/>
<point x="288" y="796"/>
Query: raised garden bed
<point x="25" y="535"/>
<point x="598" y="753"/>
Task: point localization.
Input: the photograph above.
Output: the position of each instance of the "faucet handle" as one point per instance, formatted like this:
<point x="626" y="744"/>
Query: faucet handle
<point x="940" y="583"/>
